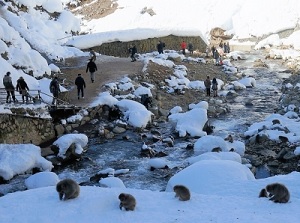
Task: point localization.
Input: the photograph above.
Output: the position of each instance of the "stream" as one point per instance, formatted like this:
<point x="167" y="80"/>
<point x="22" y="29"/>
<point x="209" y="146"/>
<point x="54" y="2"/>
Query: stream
<point x="252" y="105"/>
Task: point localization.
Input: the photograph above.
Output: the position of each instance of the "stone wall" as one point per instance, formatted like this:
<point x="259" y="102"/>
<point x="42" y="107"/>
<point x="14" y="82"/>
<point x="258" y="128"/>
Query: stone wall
<point x="120" y="49"/>
<point x="22" y="129"/>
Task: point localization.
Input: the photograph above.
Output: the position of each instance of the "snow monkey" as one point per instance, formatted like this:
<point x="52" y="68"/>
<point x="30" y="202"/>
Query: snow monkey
<point x="182" y="192"/>
<point x="127" y="201"/>
<point x="278" y="193"/>
<point x="263" y="193"/>
<point x="67" y="189"/>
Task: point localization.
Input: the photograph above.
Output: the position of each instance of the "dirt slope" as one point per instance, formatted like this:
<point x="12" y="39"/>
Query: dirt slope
<point x="110" y="69"/>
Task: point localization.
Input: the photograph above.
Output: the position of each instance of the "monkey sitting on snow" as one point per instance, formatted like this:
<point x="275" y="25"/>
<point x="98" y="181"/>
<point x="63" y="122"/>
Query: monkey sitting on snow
<point x="127" y="201"/>
<point x="182" y="192"/>
<point x="67" y="189"/>
<point x="277" y="193"/>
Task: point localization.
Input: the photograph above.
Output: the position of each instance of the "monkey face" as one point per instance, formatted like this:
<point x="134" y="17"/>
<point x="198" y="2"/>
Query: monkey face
<point x="122" y="197"/>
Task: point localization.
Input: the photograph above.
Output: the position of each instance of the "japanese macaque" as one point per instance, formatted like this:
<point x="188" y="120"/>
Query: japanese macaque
<point x="263" y="193"/>
<point x="182" y="192"/>
<point x="229" y="138"/>
<point x="278" y="193"/>
<point x="67" y="189"/>
<point x="127" y="201"/>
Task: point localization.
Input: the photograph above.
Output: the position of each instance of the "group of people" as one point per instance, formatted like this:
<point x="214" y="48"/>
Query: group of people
<point x="190" y="47"/>
<point x="218" y="52"/>
<point x="225" y="46"/>
<point x="79" y="81"/>
<point x="21" y="87"/>
<point x="55" y="89"/>
<point x="160" y="48"/>
<point x="211" y="85"/>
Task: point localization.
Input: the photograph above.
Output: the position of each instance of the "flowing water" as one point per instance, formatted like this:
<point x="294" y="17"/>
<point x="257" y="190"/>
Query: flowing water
<point x="252" y="105"/>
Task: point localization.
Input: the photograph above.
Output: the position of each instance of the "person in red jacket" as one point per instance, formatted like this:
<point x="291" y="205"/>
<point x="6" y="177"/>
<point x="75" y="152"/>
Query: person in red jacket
<point x="183" y="47"/>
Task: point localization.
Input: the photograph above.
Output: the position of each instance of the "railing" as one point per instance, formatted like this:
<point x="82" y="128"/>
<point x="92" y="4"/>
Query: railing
<point x="34" y="97"/>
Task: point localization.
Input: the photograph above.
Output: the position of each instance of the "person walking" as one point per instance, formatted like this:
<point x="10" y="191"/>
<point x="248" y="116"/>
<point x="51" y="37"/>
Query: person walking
<point x="207" y="84"/>
<point x="54" y="89"/>
<point x="183" y="47"/>
<point x="23" y="89"/>
<point x="9" y="87"/>
<point x="217" y="57"/>
<point x="92" y="55"/>
<point x="132" y="51"/>
<point x="215" y="87"/>
<point x="160" y="47"/>
<point x="191" y="48"/>
<point x="80" y="83"/>
<point x="213" y="49"/>
<point x="92" y="68"/>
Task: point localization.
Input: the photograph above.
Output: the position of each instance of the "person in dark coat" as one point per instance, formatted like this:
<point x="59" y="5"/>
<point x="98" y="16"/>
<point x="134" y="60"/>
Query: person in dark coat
<point x="80" y="83"/>
<point x="54" y="89"/>
<point x="9" y="87"/>
<point x="23" y="89"/>
<point x="215" y="87"/>
<point x="191" y="48"/>
<point x="160" y="47"/>
<point x="92" y="68"/>
<point x="213" y="50"/>
<point x="217" y="57"/>
<point x="133" y="51"/>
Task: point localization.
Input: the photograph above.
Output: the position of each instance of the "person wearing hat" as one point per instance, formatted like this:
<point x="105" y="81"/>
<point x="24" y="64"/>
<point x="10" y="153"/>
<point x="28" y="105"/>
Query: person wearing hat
<point x="23" y="89"/>
<point x="80" y="83"/>
<point x="9" y="87"/>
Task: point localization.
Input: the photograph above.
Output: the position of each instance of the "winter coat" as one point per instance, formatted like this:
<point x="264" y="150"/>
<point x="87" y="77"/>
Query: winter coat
<point x="207" y="83"/>
<point x="79" y="82"/>
<point x="54" y="87"/>
<point x="214" y="85"/>
<point x="160" y="46"/>
<point x="91" y="66"/>
<point x="22" y="85"/>
<point x="133" y="50"/>
<point x="7" y="82"/>
<point x="183" y="45"/>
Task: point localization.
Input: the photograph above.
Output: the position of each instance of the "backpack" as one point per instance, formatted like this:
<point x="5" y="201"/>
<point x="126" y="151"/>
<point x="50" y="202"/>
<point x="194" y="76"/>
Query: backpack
<point x="6" y="82"/>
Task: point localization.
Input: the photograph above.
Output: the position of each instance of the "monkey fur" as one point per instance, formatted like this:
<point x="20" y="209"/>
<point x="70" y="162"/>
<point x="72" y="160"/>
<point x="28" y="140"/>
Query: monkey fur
<point x="263" y="193"/>
<point x="67" y="189"/>
<point x="279" y="189"/>
<point x="278" y="193"/>
<point x="182" y="192"/>
<point x="127" y="201"/>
